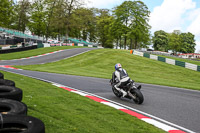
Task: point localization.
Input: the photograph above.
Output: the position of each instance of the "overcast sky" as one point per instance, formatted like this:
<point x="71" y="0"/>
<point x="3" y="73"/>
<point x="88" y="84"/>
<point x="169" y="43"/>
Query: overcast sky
<point x="167" y="15"/>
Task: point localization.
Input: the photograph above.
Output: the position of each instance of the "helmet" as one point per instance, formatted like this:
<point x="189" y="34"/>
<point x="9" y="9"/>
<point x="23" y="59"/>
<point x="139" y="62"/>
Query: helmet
<point x="117" y="66"/>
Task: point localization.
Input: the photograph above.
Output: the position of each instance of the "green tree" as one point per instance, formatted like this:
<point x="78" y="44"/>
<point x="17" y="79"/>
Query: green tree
<point x="52" y="18"/>
<point x="116" y="31"/>
<point x="22" y="14"/>
<point x="6" y="13"/>
<point x="175" y="41"/>
<point x="122" y="14"/>
<point x="60" y="16"/>
<point x="83" y="24"/>
<point x="50" y="9"/>
<point x="187" y="43"/>
<point x="92" y="30"/>
<point x="104" y="21"/>
<point x="69" y="6"/>
<point x="57" y="18"/>
<point x="133" y="16"/>
<point x="37" y="23"/>
<point x="139" y="25"/>
<point x="160" y="40"/>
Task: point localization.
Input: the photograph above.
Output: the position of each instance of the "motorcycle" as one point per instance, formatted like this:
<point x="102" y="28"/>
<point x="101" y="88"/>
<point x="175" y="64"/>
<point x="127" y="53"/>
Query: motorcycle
<point x="133" y="92"/>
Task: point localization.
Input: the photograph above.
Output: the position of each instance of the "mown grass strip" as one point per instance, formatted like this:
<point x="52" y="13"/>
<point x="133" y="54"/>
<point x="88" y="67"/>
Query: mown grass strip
<point x="33" y="52"/>
<point x="66" y="112"/>
<point x="100" y="63"/>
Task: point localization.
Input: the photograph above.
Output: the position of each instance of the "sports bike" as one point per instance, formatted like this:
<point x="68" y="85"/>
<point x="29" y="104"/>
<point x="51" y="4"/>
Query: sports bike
<point x="133" y="91"/>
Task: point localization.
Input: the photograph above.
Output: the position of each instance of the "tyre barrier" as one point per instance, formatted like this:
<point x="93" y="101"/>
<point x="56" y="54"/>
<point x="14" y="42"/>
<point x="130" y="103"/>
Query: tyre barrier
<point x="10" y="92"/>
<point x="7" y="82"/>
<point x="20" y="124"/>
<point x="8" y="106"/>
<point x="1" y="76"/>
<point x="13" y="112"/>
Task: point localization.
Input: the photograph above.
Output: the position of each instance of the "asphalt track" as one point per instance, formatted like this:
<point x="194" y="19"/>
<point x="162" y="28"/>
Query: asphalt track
<point x="47" y="58"/>
<point x="175" y="105"/>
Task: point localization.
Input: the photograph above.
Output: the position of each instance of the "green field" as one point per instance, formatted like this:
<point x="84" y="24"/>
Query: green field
<point x="34" y="52"/>
<point x="66" y="112"/>
<point x="100" y="63"/>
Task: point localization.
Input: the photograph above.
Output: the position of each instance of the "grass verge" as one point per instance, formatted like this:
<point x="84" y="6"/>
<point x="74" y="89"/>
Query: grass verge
<point x="66" y="112"/>
<point x="33" y="52"/>
<point x="100" y="63"/>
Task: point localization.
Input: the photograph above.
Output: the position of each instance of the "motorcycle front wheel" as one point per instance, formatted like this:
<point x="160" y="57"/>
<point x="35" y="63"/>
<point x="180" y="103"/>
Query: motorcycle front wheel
<point x="138" y="96"/>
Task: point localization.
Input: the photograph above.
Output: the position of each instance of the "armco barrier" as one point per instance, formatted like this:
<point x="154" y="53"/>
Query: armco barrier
<point x="191" y="66"/>
<point x="146" y="55"/>
<point x="180" y="63"/>
<point x="161" y="59"/>
<point x="198" y="68"/>
<point x="153" y="57"/>
<point x="169" y="61"/>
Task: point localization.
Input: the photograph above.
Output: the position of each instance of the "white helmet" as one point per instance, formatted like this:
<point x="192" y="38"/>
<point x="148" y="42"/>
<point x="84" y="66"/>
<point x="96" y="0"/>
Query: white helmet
<point x="117" y="66"/>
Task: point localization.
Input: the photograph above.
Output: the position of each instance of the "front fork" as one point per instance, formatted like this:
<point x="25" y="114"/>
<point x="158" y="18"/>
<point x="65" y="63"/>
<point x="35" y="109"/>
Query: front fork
<point x="131" y="95"/>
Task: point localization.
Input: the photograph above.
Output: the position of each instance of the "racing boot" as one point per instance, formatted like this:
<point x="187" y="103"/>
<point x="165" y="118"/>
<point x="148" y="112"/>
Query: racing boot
<point x="124" y="93"/>
<point x="117" y="88"/>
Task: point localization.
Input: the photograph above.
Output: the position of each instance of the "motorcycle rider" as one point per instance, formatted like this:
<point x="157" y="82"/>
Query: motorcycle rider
<point x="120" y="78"/>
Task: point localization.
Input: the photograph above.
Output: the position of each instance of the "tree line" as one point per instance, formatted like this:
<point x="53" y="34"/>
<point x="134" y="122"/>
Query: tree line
<point x="124" y="26"/>
<point x="175" y="41"/>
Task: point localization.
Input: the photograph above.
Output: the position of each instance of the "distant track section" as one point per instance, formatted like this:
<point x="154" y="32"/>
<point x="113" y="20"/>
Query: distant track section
<point x="51" y="57"/>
